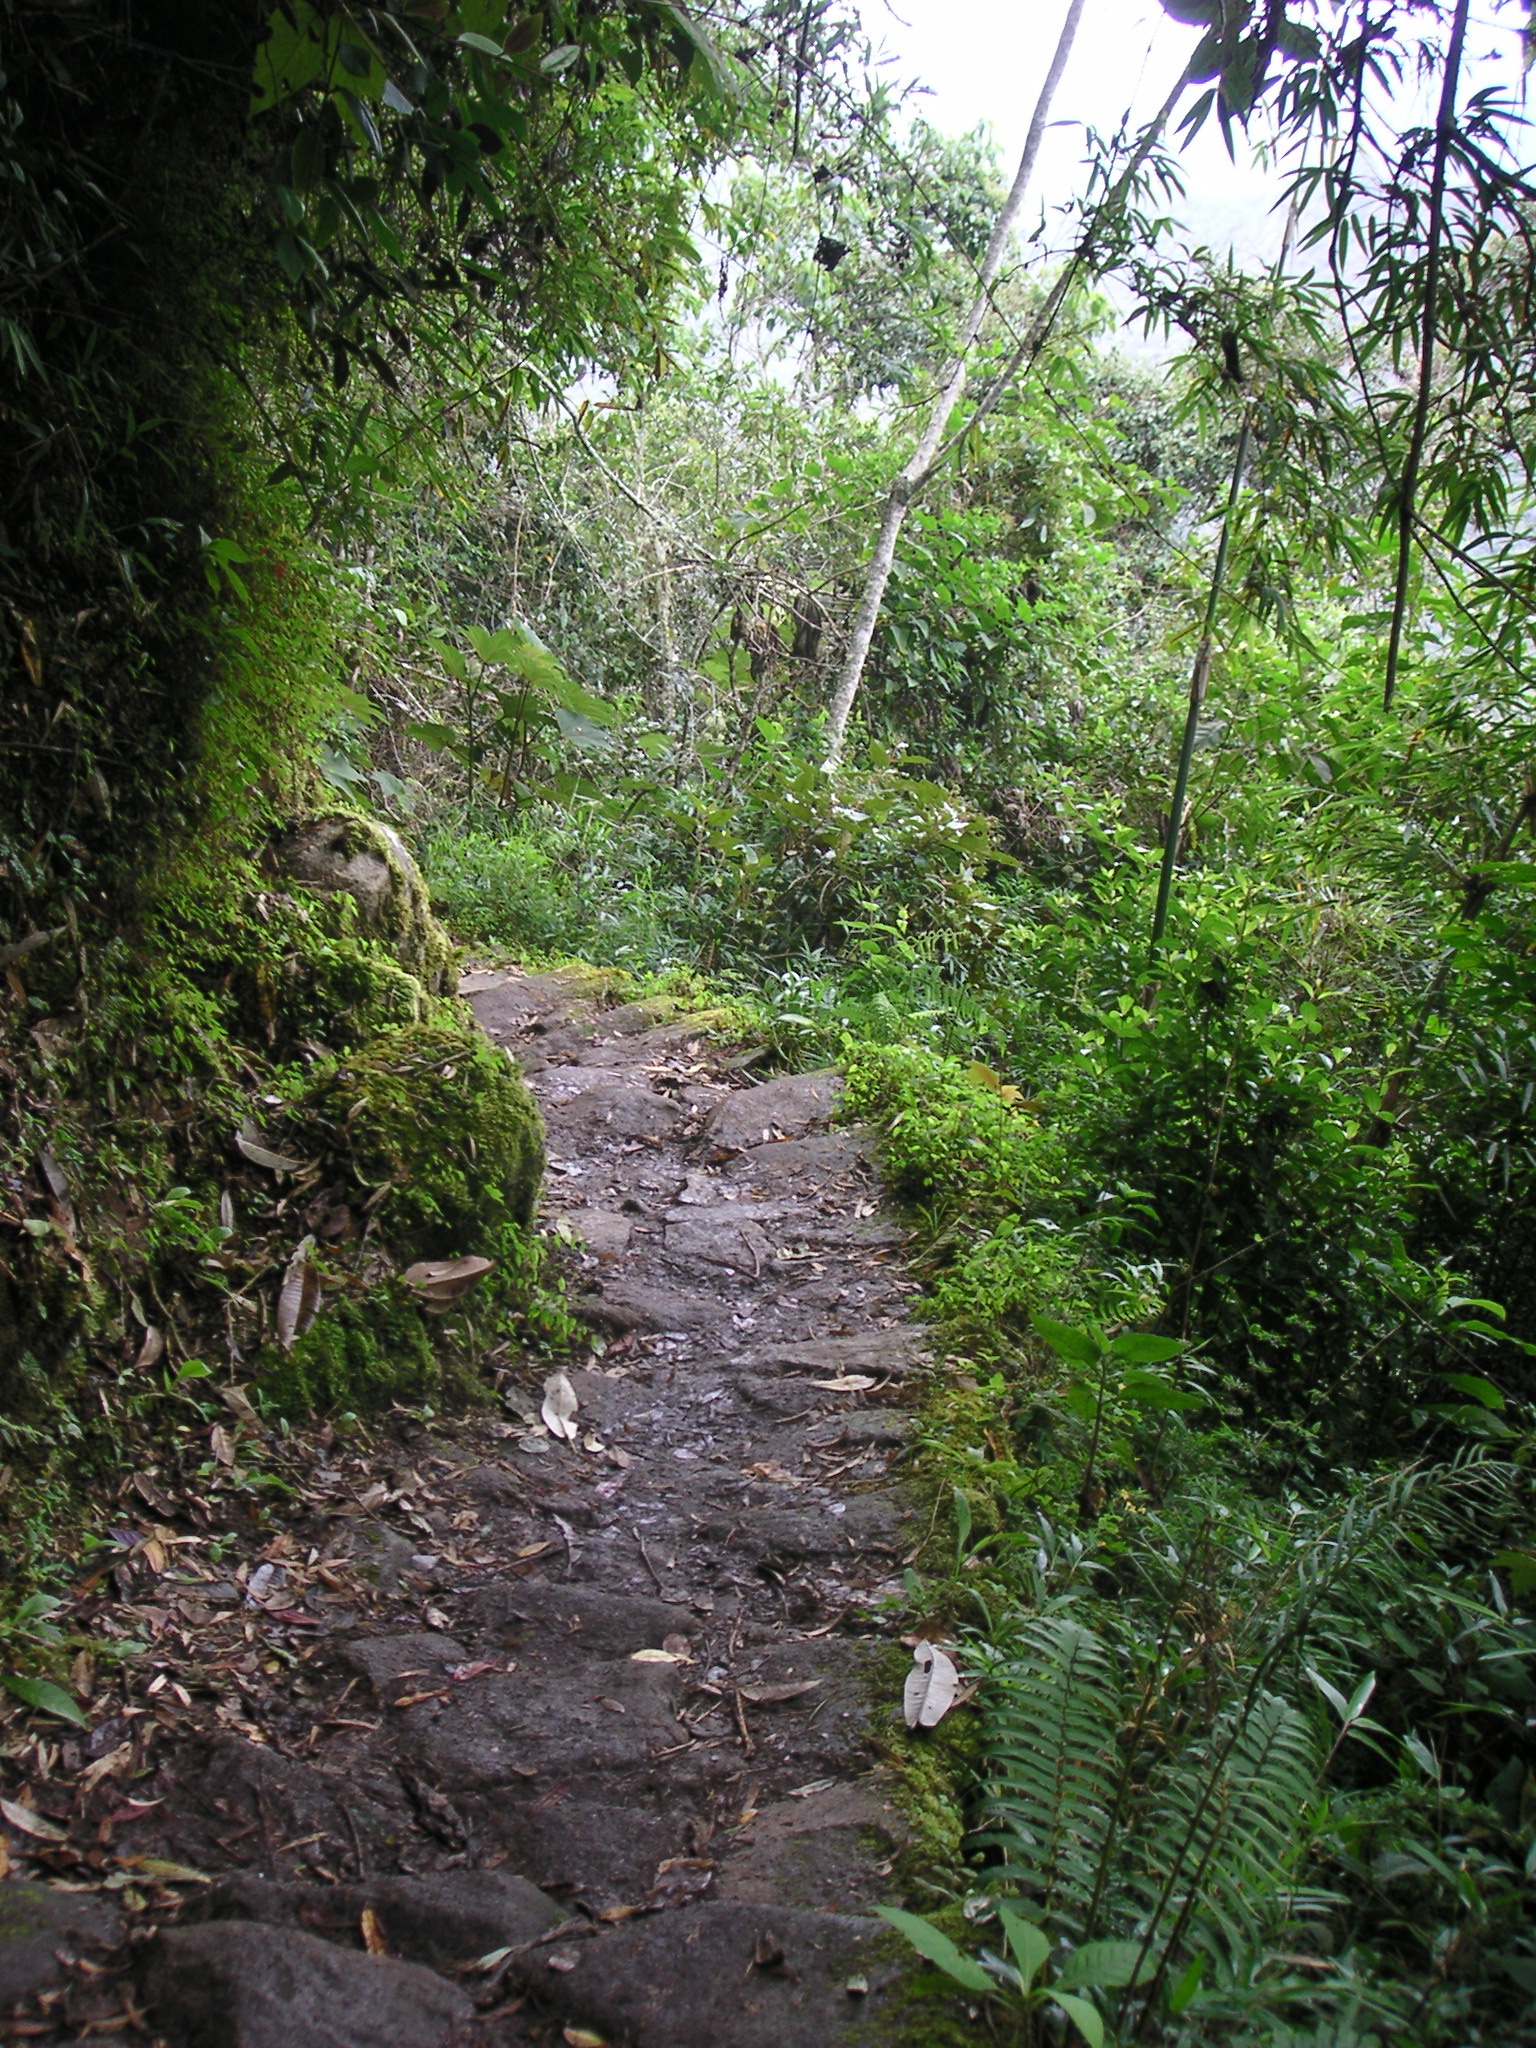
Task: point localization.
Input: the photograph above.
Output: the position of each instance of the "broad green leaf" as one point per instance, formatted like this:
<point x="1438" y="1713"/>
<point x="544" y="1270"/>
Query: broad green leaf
<point x="1521" y="1567"/>
<point x="46" y="1698"/>
<point x="936" y="1947"/>
<point x="1080" y="1347"/>
<point x="1138" y="1349"/>
<point x="1359" y="1698"/>
<point x="1186" y="1985"/>
<point x="1110" y="1964"/>
<point x="1332" y="1695"/>
<point x="1029" y="1945"/>
<point x="1476" y="1389"/>
<point x="470" y="41"/>
<point x="1084" y="2017"/>
<point x="1151" y="1390"/>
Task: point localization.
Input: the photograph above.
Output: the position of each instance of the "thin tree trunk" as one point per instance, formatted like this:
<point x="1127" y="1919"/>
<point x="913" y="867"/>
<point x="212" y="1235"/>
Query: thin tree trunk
<point x="1445" y="135"/>
<point x="1197" y="682"/>
<point x="919" y="466"/>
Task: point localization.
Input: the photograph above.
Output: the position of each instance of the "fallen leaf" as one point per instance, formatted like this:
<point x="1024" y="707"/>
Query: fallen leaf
<point x="618" y="1458"/>
<point x="931" y="1686"/>
<point x="249" y="1147"/>
<point x="559" y="1409"/>
<point x="493" y="1959"/>
<point x="298" y="1301"/>
<point x="105" y="1766"/>
<point x="414" y="1699"/>
<point x="775" y="1695"/>
<point x="658" y="1657"/>
<point x="679" y="1879"/>
<point x="611" y="1915"/>
<point x="582" y="2037"/>
<point x="775" y="1473"/>
<point x="534" y="1549"/>
<point x="29" y="1823"/>
<point x="816" y="1785"/>
<point x="222" y="1444"/>
<point x="846" y="1383"/>
<point x="161" y="1872"/>
<point x="152" y="1350"/>
<point x="373" y="1933"/>
<point x="5" y="1860"/>
<point x="462" y="1673"/>
<point x="238" y="1404"/>
<point x="767" y="1952"/>
<point x="442" y="1282"/>
<point x="563" y="1959"/>
<point x="857" y="1987"/>
<point x="679" y="1646"/>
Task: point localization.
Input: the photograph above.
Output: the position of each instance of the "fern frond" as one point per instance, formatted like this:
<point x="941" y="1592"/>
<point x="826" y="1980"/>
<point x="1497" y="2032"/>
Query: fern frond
<point x="1222" y="1829"/>
<point x="1052" y="1767"/>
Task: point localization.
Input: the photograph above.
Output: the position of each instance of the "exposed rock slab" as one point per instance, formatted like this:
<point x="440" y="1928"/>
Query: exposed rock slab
<point x="734" y="1976"/>
<point x="36" y="1924"/>
<point x="243" y="1985"/>
<point x="790" y="1107"/>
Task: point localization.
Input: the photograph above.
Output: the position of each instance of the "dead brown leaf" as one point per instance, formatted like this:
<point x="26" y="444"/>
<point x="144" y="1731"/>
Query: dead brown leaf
<point x="373" y="1933"/>
<point x="439" y="1283"/>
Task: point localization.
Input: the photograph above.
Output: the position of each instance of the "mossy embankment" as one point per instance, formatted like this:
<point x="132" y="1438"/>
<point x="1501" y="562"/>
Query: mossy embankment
<point x="263" y="1086"/>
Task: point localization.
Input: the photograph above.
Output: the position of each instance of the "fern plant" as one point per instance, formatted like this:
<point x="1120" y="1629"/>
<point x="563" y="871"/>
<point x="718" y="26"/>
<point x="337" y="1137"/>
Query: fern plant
<point x="1154" y="1792"/>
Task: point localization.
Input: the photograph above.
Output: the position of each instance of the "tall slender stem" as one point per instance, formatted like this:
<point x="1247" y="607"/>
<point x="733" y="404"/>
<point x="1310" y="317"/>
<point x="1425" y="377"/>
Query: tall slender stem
<point x="1445" y="135"/>
<point x="1197" y="682"/>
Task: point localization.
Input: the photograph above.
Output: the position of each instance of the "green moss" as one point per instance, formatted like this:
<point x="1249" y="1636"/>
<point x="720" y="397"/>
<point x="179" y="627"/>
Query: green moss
<point x="440" y="1120"/>
<point x="359" y="1354"/>
<point x="358" y="990"/>
<point x="397" y="915"/>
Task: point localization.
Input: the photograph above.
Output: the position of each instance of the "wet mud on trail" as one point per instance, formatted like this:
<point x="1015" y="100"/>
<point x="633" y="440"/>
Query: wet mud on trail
<point x="512" y="1735"/>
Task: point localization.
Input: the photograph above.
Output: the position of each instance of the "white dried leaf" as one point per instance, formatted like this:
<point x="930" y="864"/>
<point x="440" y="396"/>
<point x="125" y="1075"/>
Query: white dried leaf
<point x="298" y="1300"/>
<point x="932" y="1685"/>
<point x="31" y="1823"/>
<point x="846" y="1383"/>
<point x="249" y="1147"/>
<point x="658" y="1657"/>
<point x="559" y="1409"/>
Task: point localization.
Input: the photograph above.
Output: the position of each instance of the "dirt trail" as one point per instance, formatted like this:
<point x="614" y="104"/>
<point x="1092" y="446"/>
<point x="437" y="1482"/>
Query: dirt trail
<point x="603" y="1705"/>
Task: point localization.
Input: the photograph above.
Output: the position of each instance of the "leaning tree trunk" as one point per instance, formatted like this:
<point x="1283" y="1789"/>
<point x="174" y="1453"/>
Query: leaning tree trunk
<point x="917" y="468"/>
<point x="932" y="449"/>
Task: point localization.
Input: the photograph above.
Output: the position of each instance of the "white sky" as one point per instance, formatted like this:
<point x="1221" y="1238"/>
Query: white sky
<point x="985" y="61"/>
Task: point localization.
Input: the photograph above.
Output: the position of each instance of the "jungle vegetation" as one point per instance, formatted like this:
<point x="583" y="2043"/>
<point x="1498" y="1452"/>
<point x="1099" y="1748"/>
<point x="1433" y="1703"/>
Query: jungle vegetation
<point x="473" y="422"/>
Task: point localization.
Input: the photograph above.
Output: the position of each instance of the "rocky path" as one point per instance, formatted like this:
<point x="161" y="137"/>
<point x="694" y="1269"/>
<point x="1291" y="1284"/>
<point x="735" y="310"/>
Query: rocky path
<point x="605" y="1711"/>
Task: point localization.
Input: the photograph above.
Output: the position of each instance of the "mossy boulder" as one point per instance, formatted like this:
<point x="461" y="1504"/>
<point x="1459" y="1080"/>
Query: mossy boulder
<point x="359" y="1354"/>
<point x="440" y="1118"/>
<point x="341" y="853"/>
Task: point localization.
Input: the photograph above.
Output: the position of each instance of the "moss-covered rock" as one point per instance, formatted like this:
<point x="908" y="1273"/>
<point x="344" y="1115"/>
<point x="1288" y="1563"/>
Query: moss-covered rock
<point x="359" y="1354"/>
<point x="439" y="1118"/>
<point x="341" y="853"/>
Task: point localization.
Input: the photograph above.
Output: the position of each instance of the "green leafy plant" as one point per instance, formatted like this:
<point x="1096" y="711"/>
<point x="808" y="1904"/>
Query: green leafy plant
<point x="1019" y="1986"/>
